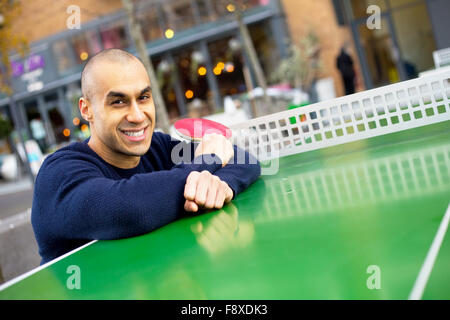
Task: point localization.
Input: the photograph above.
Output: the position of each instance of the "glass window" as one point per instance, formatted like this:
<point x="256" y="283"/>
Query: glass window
<point x="413" y="27"/>
<point x="179" y="14"/>
<point x="206" y="10"/>
<point x="227" y="60"/>
<point x="399" y="3"/>
<point x="248" y="4"/>
<point x="150" y="24"/>
<point x="114" y="36"/>
<point x="219" y="9"/>
<point x="265" y="47"/>
<point x="165" y="74"/>
<point x="63" y="56"/>
<point x="191" y="67"/>
<point x="86" y="45"/>
<point x="379" y="53"/>
<point x="359" y="7"/>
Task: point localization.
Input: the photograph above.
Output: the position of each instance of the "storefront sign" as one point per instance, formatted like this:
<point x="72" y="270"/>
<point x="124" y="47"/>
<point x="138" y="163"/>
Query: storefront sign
<point x="33" y="62"/>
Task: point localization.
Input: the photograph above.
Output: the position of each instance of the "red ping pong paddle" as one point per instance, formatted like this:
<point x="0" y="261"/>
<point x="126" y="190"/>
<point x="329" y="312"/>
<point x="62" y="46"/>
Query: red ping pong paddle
<point x="193" y="129"/>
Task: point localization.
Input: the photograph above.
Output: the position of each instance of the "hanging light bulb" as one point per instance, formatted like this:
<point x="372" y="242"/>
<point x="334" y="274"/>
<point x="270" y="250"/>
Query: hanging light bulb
<point x="164" y="66"/>
<point x="198" y="57"/>
<point x="234" y="44"/>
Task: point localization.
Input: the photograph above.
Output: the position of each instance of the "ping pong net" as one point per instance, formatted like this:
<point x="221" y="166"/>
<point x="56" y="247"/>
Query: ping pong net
<point x="388" y="109"/>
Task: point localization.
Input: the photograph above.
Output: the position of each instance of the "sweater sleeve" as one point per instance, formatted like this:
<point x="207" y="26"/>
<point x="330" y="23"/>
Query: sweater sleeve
<point x="74" y="200"/>
<point x="240" y="172"/>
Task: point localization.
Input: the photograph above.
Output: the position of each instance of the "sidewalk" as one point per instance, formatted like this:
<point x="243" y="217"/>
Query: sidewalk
<point x="18" y="247"/>
<point x="8" y="187"/>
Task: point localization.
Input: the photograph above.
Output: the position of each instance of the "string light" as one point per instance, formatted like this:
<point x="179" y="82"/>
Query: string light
<point x="202" y="71"/>
<point x="169" y="33"/>
<point x="84" y="56"/>
<point x="229" y="67"/>
<point x="189" y="94"/>
<point x="66" y="132"/>
<point x="231" y="7"/>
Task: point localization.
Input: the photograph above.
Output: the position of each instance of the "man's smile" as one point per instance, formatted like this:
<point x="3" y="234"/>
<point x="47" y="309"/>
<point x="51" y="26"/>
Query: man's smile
<point x="135" y="135"/>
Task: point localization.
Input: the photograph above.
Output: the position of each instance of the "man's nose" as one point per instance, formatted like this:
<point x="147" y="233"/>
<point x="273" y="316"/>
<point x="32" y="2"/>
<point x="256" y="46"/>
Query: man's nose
<point x="135" y="115"/>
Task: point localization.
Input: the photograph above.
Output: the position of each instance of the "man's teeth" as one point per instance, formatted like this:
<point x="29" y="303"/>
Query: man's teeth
<point x="134" y="133"/>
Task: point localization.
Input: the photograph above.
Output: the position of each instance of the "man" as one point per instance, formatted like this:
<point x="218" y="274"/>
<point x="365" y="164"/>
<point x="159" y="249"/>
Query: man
<point x="123" y="181"/>
<point x="344" y="63"/>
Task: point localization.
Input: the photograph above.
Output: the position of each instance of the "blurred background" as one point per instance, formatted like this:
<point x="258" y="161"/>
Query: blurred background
<point x="226" y="60"/>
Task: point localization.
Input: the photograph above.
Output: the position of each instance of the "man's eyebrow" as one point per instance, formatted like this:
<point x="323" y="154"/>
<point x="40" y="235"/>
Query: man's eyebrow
<point x="114" y="94"/>
<point x="145" y="90"/>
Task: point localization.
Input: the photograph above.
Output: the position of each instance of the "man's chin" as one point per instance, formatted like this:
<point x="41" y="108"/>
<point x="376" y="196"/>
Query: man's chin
<point x="136" y="151"/>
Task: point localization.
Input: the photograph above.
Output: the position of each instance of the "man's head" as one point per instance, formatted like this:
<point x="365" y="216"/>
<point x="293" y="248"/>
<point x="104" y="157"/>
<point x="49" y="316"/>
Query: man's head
<point x="118" y="104"/>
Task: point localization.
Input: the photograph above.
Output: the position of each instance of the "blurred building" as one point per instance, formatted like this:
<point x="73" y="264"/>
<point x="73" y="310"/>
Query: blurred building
<point x="195" y="49"/>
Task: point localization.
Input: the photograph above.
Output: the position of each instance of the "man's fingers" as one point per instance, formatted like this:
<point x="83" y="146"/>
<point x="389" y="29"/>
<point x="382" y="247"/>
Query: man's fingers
<point x="229" y="194"/>
<point x="203" y="185"/>
<point x="204" y="190"/>
<point x="212" y="192"/>
<point x="190" y="206"/>
<point x="190" y="188"/>
<point x="220" y="197"/>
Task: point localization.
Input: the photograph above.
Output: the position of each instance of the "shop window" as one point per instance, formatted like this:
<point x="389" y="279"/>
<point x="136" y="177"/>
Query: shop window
<point x="265" y="46"/>
<point x="191" y="67"/>
<point x="359" y="7"/>
<point x="178" y="14"/>
<point x="416" y="58"/>
<point x="165" y="73"/>
<point x="227" y="61"/>
<point x="149" y="21"/>
<point x="114" y="36"/>
<point x="63" y="56"/>
<point x="86" y="45"/>
<point x="400" y="3"/>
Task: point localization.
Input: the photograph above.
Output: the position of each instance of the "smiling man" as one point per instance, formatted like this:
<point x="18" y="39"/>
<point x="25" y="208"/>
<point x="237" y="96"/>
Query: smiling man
<point x="123" y="180"/>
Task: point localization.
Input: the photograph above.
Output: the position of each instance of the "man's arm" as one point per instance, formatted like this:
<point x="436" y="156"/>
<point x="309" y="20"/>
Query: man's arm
<point x="74" y="200"/>
<point x="240" y="172"/>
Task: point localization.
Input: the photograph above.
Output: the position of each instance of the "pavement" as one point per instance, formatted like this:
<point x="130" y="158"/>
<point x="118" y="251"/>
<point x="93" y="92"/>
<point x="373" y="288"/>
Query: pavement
<point x="18" y="247"/>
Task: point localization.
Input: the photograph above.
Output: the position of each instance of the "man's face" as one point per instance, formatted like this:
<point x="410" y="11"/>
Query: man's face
<point x="123" y="112"/>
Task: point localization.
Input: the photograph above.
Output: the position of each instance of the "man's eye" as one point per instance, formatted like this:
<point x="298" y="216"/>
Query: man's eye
<point x="146" y="97"/>
<point x="119" y="101"/>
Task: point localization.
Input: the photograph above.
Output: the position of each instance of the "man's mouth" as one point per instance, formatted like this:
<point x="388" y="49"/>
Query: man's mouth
<point x="135" y="134"/>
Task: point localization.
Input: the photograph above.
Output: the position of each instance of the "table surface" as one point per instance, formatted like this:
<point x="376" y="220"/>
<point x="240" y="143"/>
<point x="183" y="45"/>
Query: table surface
<point x="316" y="230"/>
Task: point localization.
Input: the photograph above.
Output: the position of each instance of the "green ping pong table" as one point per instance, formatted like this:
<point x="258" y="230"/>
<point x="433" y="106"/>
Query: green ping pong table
<point x="354" y="218"/>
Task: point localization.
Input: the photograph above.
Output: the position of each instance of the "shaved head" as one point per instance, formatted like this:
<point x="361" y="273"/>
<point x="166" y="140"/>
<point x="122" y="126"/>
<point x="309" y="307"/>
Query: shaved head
<point x="117" y="102"/>
<point x="107" y="56"/>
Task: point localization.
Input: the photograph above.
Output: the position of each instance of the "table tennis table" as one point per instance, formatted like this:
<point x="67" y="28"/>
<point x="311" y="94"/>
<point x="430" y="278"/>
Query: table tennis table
<point x="353" y="203"/>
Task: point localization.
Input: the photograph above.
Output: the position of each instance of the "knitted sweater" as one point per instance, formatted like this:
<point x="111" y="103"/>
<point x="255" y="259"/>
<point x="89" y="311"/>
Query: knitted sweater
<point x="79" y="197"/>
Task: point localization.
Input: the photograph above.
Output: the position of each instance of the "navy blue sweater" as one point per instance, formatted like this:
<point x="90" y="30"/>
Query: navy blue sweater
<point x="79" y="197"/>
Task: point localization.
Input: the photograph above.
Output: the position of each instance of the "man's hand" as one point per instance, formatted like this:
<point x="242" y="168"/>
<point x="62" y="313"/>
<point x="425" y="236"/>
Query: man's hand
<point x="204" y="190"/>
<point x="217" y="144"/>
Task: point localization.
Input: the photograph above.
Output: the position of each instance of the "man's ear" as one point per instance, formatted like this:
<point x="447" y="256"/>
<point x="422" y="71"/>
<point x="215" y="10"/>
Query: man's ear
<point x="85" y="109"/>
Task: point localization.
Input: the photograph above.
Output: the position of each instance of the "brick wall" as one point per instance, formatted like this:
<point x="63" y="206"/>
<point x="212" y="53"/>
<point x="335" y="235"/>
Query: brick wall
<point x="42" y="18"/>
<point x="319" y="15"/>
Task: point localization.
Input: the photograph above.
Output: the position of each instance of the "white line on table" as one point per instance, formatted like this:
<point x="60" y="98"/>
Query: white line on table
<point x="422" y="279"/>
<point x="35" y="270"/>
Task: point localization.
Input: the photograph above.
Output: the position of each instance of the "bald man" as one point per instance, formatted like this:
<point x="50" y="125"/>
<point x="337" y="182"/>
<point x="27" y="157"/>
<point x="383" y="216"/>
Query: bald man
<point x="123" y="181"/>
